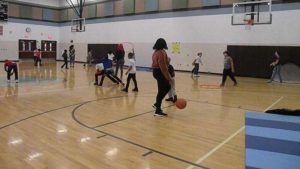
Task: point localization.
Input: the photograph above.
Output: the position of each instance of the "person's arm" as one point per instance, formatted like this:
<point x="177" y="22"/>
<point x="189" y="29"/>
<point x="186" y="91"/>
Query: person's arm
<point x="194" y="62"/>
<point x="163" y="65"/>
<point x="5" y="67"/>
<point x="232" y="65"/>
<point x="274" y="63"/>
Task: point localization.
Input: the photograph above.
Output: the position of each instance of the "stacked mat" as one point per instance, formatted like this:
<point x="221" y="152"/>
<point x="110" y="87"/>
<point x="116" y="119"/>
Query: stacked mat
<point x="272" y="141"/>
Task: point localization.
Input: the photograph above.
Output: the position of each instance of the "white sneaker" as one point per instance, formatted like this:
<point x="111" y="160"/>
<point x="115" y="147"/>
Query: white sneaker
<point x="8" y="81"/>
<point x="17" y="81"/>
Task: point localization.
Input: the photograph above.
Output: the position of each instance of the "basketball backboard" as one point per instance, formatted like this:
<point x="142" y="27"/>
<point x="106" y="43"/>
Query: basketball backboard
<point x="252" y="11"/>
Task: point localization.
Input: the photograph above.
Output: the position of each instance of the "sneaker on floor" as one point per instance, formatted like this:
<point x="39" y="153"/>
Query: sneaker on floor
<point x="8" y="81"/>
<point x="135" y="90"/>
<point x="160" y="114"/>
<point x="169" y="99"/>
<point x="125" y="90"/>
<point x="95" y="83"/>
<point x="17" y="81"/>
<point x="235" y="84"/>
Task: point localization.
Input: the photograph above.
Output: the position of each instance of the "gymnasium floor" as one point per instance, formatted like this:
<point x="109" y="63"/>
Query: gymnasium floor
<point x="58" y="119"/>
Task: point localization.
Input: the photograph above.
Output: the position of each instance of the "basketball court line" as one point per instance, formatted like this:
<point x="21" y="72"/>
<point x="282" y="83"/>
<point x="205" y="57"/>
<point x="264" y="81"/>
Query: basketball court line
<point x="38" y="92"/>
<point x="206" y="102"/>
<point x="133" y="143"/>
<point x="200" y="160"/>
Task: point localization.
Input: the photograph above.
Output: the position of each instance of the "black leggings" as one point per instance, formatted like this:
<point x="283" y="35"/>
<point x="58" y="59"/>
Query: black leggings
<point x="163" y="87"/>
<point x="195" y="70"/>
<point x="9" y="71"/>
<point x="38" y="60"/>
<point x="111" y="76"/>
<point x="133" y="77"/>
<point x="65" y="64"/>
<point x="228" y="72"/>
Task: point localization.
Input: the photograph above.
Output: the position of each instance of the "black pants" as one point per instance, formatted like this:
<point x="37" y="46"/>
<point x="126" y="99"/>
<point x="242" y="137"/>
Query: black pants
<point x="111" y="76"/>
<point x="38" y="60"/>
<point x="9" y="71"/>
<point x="133" y="77"/>
<point x="196" y="69"/>
<point x="163" y="87"/>
<point x="228" y="72"/>
<point x="65" y="63"/>
<point x="120" y="65"/>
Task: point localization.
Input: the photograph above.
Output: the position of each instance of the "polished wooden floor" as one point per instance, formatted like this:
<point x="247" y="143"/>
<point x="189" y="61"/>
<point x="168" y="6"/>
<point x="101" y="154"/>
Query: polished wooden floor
<point x="57" y="119"/>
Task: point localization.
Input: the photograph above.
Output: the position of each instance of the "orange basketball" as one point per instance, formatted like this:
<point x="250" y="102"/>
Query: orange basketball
<point x="180" y="103"/>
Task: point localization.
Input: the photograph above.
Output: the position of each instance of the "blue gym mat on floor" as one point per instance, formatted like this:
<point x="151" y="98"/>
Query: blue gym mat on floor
<point x="272" y="141"/>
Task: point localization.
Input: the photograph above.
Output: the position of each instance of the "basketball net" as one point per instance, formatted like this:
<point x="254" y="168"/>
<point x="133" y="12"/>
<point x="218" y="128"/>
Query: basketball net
<point x="248" y="23"/>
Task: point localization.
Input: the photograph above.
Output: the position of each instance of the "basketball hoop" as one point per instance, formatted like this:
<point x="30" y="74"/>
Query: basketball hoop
<point x="78" y="25"/>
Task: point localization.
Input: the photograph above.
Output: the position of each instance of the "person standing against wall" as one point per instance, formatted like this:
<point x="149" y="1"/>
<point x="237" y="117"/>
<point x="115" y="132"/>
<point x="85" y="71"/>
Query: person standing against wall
<point x="161" y="74"/>
<point x="196" y="63"/>
<point x="120" y="53"/>
<point x="72" y="55"/>
<point x="277" y="68"/>
<point x="228" y="69"/>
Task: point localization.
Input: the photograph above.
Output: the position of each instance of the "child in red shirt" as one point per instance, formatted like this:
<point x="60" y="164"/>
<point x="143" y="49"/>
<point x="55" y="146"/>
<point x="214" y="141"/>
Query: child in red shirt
<point x="11" y="68"/>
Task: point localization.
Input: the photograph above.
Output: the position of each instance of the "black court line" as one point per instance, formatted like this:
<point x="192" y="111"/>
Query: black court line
<point x="48" y="111"/>
<point x="130" y="117"/>
<point x="130" y="142"/>
<point x="148" y="153"/>
<point x="101" y="136"/>
<point x="35" y="115"/>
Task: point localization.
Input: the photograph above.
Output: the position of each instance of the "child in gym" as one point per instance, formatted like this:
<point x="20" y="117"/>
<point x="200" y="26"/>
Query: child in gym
<point x="196" y="62"/>
<point x="172" y="91"/>
<point x="11" y="68"/>
<point x="38" y="57"/>
<point x="131" y="72"/>
<point x="65" y="56"/>
<point x="228" y="69"/>
<point x="99" y="72"/>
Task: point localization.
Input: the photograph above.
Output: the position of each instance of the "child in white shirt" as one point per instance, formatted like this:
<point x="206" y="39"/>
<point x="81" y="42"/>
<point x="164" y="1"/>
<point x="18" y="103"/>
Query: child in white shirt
<point x="131" y="72"/>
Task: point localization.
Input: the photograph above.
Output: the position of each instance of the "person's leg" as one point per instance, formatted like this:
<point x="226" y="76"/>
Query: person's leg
<point x="231" y="75"/>
<point x="171" y="92"/>
<point x="117" y="79"/>
<point x="279" y="73"/>
<point x="196" y="68"/>
<point x="163" y="89"/>
<point x="35" y="61"/>
<point x="40" y="61"/>
<point x="66" y="62"/>
<point x="8" y="73"/>
<point x="273" y="74"/>
<point x="117" y="68"/>
<point x="15" y="68"/>
<point x="135" y="83"/>
<point x="127" y="83"/>
<point x="102" y="79"/>
<point x="193" y="70"/>
<point x="224" y="77"/>
<point x="121" y="68"/>
<point x="96" y="78"/>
